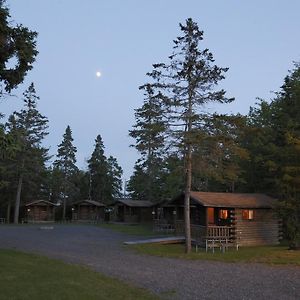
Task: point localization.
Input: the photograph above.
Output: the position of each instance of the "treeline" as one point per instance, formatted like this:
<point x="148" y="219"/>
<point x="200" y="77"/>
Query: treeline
<point x="25" y="172"/>
<point x="255" y="153"/>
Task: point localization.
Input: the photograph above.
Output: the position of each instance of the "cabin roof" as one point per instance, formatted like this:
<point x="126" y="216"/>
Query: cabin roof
<point x="234" y="200"/>
<point x="40" y="202"/>
<point x="92" y="202"/>
<point x="135" y="203"/>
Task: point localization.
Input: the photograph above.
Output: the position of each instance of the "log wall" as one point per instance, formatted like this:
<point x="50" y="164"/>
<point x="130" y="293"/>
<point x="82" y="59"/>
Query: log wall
<point x="264" y="229"/>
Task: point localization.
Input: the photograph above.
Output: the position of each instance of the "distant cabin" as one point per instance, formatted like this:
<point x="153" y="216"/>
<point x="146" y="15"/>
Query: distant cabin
<point x="249" y="219"/>
<point x="88" y="210"/>
<point x="40" y="211"/>
<point x="133" y="211"/>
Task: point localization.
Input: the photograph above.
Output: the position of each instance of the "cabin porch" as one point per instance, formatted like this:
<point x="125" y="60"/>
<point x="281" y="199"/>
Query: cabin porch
<point x="210" y="236"/>
<point x="210" y="226"/>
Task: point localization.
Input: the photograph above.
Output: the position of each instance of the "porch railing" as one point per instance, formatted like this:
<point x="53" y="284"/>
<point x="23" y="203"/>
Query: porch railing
<point x="218" y="231"/>
<point x="200" y="232"/>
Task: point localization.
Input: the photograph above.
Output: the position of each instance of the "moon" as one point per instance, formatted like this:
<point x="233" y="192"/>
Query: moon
<point x="98" y="73"/>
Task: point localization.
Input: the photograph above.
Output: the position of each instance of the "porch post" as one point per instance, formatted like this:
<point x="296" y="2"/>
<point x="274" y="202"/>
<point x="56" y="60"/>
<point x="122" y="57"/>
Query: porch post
<point x="206" y="220"/>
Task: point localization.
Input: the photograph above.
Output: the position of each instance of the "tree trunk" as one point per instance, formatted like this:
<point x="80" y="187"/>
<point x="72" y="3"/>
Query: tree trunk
<point x="8" y="210"/>
<point x="18" y="200"/>
<point x="188" y="183"/>
<point x="64" y="208"/>
<point x="187" y="195"/>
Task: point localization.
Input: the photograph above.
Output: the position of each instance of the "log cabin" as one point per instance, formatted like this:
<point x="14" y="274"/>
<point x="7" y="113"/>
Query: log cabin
<point x="40" y="211"/>
<point x="247" y="219"/>
<point x="133" y="211"/>
<point x="88" y="211"/>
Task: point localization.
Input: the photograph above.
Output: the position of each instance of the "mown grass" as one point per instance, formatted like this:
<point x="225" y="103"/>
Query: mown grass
<point x="266" y="254"/>
<point x="131" y="229"/>
<point x="27" y="276"/>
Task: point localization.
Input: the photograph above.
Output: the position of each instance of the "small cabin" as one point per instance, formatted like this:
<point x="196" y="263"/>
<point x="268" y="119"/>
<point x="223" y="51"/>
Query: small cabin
<point x="40" y="211"/>
<point x="88" y="210"/>
<point x="249" y="219"/>
<point x="133" y="211"/>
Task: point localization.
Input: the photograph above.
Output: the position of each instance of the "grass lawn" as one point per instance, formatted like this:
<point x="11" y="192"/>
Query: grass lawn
<point x="27" y="276"/>
<point x="267" y="254"/>
<point x="132" y="229"/>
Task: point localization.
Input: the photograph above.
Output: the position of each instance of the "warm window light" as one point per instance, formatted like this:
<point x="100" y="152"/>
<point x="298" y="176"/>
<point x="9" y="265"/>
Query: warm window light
<point x="223" y="214"/>
<point x="211" y="215"/>
<point x="248" y="214"/>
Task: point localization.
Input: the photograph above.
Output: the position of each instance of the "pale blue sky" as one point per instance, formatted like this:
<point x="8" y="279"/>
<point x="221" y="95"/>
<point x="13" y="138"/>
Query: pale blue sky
<point x="257" y="40"/>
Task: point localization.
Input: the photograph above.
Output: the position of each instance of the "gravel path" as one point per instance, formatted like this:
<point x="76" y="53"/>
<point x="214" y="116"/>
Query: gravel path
<point x="102" y="250"/>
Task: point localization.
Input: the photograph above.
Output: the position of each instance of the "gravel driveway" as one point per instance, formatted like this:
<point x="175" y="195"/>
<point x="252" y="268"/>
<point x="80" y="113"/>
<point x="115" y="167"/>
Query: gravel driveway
<point x="102" y="250"/>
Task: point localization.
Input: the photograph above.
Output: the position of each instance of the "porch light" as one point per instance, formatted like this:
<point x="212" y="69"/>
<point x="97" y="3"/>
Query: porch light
<point x="174" y="212"/>
<point x="73" y="208"/>
<point x="153" y="212"/>
<point x="28" y="209"/>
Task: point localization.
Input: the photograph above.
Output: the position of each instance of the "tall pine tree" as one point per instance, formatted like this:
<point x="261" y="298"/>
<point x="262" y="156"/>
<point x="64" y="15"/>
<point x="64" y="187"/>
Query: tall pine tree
<point x="184" y="85"/>
<point x="65" y="168"/>
<point x="149" y="133"/>
<point x="105" y="175"/>
<point x="114" y="178"/>
<point x="98" y="168"/>
<point x="28" y="128"/>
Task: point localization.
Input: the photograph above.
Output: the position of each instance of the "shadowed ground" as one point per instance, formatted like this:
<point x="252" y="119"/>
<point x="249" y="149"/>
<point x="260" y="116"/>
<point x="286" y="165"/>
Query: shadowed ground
<point x="102" y="250"/>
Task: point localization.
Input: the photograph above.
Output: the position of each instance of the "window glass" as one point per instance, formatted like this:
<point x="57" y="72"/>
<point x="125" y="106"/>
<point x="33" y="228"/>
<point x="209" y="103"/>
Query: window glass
<point x="223" y="214"/>
<point x="248" y="214"/>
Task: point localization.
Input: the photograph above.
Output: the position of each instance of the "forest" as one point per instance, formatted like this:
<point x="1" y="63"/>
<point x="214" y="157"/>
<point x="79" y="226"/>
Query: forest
<point x="181" y="147"/>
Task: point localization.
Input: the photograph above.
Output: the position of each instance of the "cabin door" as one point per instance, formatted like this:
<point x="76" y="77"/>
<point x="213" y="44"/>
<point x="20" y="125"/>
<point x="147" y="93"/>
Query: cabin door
<point x="211" y="216"/>
<point x="43" y="213"/>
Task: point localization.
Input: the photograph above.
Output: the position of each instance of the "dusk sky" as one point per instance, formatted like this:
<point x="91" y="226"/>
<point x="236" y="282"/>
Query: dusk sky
<point x="257" y="40"/>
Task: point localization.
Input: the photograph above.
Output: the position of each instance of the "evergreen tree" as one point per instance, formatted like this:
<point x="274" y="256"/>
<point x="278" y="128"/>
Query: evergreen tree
<point x="65" y="168"/>
<point x="172" y="181"/>
<point x="220" y="153"/>
<point x="137" y="183"/>
<point x="259" y="141"/>
<point x="149" y="133"/>
<point x="286" y="125"/>
<point x="105" y="175"/>
<point x="98" y="169"/>
<point x="184" y="85"/>
<point x="16" y="42"/>
<point x="114" y="178"/>
<point x="272" y="139"/>
<point x="28" y="129"/>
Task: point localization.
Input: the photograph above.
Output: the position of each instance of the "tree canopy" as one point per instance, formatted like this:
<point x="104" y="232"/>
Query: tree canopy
<point x="17" y="51"/>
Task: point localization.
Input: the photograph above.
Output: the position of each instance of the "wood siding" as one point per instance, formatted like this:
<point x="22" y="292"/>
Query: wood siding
<point x="84" y="212"/>
<point x="40" y="213"/>
<point x="262" y="230"/>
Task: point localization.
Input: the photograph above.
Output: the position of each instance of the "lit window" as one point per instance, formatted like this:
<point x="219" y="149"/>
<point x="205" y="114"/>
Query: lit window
<point x="248" y="214"/>
<point x="223" y="214"/>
